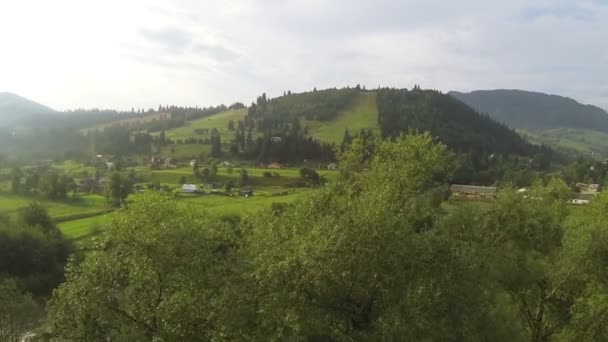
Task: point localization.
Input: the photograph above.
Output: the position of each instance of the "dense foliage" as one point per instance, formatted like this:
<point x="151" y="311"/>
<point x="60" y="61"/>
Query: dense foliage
<point x="33" y="255"/>
<point x="380" y="255"/>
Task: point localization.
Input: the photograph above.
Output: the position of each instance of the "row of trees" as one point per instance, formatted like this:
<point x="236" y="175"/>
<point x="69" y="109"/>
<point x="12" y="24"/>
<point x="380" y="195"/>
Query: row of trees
<point x="375" y="257"/>
<point x="51" y="184"/>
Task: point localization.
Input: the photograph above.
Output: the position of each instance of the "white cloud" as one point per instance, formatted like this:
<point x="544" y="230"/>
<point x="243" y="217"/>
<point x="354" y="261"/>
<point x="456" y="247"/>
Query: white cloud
<point x="70" y="53"/>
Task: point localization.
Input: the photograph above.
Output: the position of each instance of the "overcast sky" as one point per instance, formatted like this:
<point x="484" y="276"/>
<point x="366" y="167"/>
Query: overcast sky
<point x="142" y="53"/>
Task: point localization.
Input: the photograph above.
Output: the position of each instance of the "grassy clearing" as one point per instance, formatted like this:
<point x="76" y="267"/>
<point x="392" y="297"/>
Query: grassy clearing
<point x="185" y="152"/>
<point x="143" y="118"/>
<point x="218" y="121"/>
<point x="362" y="114"/>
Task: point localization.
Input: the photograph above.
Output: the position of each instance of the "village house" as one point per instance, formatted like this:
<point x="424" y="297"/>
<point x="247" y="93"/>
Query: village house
<point x="159" y="162"/>
<point x="473" y="191"/>
<point x="190" y="189"/>
<point x="214" y="185"/>
<point x="332" y="166"/>
<point x="275" y="165"/>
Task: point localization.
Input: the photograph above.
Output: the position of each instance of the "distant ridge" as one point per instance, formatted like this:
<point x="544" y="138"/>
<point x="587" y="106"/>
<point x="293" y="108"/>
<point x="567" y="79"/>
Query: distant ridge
<point x="15" y="109"/>
<point x="534" y="110"/>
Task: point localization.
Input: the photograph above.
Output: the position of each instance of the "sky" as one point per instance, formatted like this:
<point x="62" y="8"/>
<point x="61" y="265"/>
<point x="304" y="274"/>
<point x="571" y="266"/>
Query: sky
<point x="141" y="53"/>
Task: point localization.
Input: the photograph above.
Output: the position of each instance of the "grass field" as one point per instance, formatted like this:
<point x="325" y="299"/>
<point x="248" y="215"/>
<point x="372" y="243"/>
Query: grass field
<point x="77" y="229"/>
<point x="86" y="204"/>
<point x="172" y="176"/>
<point x="240" y="205"/>
<point x="362" y="114"/>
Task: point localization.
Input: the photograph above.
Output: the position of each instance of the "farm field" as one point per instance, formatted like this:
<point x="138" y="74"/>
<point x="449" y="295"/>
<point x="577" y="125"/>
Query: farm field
<point x="80" y="228"/>
<point x="224" y="205"/>
<point x="362" y="114"/>
<point x="172" y="176"/>
<point x="59" y="210"/>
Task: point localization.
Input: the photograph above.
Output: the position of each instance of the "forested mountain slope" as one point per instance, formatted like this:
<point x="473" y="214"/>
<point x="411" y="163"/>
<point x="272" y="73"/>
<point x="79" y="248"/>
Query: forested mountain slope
<point x="452" y="121"/>
<point x="537" y="111"/>
<point x="16" y="109"/>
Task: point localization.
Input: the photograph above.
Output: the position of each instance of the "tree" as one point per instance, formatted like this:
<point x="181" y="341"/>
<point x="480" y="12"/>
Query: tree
<point x="229" y="185"/>
<point x="33" y="251"/>
<point x="166" y="284"/>
<point x="243" y="178"/>
<point x="196" y="169"/>
<point x="161" y="138"/>
<point x="216" y="144"/>
<point x="363" y="261"/>
<point x="183" y="180"/>
<point x="231" y="125"/>
<point x="118" y="189"/>
<point x="36" y="215"/>
<point x="212" y="170"/>
<point x="346" y="140"/>
<point x="18" y="311"/>
<point x="16" y="175"/>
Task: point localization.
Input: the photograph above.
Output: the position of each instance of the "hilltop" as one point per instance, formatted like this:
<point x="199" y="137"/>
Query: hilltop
<point x="17" y="109"/>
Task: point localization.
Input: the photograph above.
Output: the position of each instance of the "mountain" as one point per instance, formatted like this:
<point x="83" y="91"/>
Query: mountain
<point x="535" y="111"/>
<point x="453" y="122"/>
<point x="15" y="109"/>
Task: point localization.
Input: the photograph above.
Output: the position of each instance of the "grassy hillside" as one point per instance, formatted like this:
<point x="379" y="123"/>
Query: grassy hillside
<point x="588" y="142"/>
<point x="218" y="121"/>
<point x="361" y="114"/>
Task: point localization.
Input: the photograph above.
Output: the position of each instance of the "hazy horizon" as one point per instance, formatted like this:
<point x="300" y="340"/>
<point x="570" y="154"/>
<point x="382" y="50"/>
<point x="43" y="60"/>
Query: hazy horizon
<point x="69" y="54"/>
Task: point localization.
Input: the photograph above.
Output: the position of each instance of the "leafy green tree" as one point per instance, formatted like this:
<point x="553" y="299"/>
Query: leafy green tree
<point x="33" y="251"/>
<point x="212" y="171"/>
<point x="36" y="215"/>
<point x="364" y="264"/>
<point x="243" y="177"/>
<point x="165" y="285"/>
<point x="118" y="189"/>
<point x="16" y="175"/>
<point x="183" y="180"/>
<point x="18" y="311"/>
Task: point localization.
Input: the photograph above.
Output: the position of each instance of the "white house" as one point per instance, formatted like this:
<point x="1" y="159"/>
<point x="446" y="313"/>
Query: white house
<point x="332" y="166"/>
<point x="190" y="188"/>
